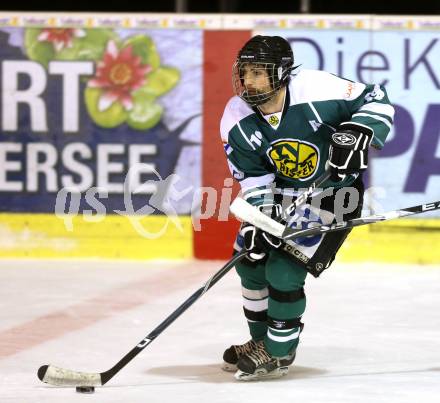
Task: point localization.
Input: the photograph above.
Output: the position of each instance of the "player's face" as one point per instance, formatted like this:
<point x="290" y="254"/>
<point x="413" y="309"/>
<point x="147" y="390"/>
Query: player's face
<point x="255" y="79"/>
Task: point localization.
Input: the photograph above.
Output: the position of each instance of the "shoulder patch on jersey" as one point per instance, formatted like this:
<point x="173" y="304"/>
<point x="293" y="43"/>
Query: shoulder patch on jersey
<point x="377" y="94"/>
<point x="236" y="109"/>
<point x="228" y="148"/>
<point x="235" y="172"/>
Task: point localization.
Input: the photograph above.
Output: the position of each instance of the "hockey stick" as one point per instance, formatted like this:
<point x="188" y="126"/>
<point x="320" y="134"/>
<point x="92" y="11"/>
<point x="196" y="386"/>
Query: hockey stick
<point x="66" y="377"/>
<point x="246" y="212"/>
<point x="306" y="194"/>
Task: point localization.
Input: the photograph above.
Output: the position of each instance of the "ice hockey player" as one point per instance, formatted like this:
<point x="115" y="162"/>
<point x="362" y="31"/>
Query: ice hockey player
<point x="280" y="132"/>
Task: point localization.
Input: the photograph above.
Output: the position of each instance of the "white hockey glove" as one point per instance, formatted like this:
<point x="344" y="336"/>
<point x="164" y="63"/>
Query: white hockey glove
<point x="257" y="242"/>
<point x="349" y="150"/>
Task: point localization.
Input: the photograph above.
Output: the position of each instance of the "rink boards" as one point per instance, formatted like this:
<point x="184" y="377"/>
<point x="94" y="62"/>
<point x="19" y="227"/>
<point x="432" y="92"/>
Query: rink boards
<point x="67" y="137"/>
<point x="45" y="236"/>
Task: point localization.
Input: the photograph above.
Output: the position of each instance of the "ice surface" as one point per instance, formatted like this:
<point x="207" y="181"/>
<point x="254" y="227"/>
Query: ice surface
<point x="372" y="333"/>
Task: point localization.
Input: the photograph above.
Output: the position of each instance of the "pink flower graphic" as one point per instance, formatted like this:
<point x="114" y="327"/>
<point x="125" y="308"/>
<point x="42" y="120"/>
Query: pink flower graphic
<point x="60" y="37"/>
<point x="119" y="73"/>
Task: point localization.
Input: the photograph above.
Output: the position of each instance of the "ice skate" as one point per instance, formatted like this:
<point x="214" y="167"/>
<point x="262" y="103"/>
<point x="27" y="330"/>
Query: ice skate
<point x="260" y="365"/>
<point x="235" y="352"/>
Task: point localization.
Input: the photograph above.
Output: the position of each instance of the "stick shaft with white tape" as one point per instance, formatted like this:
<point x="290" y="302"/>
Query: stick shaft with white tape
<point x="240" y="208"/>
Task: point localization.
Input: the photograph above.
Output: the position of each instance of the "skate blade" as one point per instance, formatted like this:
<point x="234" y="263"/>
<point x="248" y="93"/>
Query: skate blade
<point x="261" y="375"/>
<point x="229" y="367"/>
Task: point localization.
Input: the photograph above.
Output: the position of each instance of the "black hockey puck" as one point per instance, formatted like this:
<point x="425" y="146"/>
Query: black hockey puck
<point x="85" y="389"/>
<point x="42" y="371"/>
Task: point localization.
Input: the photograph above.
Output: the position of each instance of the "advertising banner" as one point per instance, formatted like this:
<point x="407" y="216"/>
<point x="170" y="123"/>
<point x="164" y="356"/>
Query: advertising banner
<point x="80" y="106"/>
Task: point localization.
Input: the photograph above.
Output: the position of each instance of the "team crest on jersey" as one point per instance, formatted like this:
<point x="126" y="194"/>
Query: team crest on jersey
<point x="273" y="120"/>
<point x="294" y="159"/>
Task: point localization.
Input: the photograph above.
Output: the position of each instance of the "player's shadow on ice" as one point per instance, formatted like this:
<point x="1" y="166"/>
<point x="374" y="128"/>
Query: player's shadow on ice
<point x="212" y="373"/>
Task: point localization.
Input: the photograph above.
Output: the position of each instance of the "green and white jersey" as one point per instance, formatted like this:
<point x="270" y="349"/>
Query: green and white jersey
<point x="291" y="148"/>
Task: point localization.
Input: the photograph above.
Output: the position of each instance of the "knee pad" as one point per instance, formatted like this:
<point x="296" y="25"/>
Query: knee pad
<point x="286" y="296"/>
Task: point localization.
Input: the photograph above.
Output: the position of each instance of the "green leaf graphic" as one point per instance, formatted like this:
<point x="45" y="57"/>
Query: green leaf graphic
<point x="144" y="47"/>
<point x="90" y="47"/>
<point x="41" y="52"/>
<point x="145" y="113"/>
<point x="111" y="117"/>
<point x="161" y="81"/>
